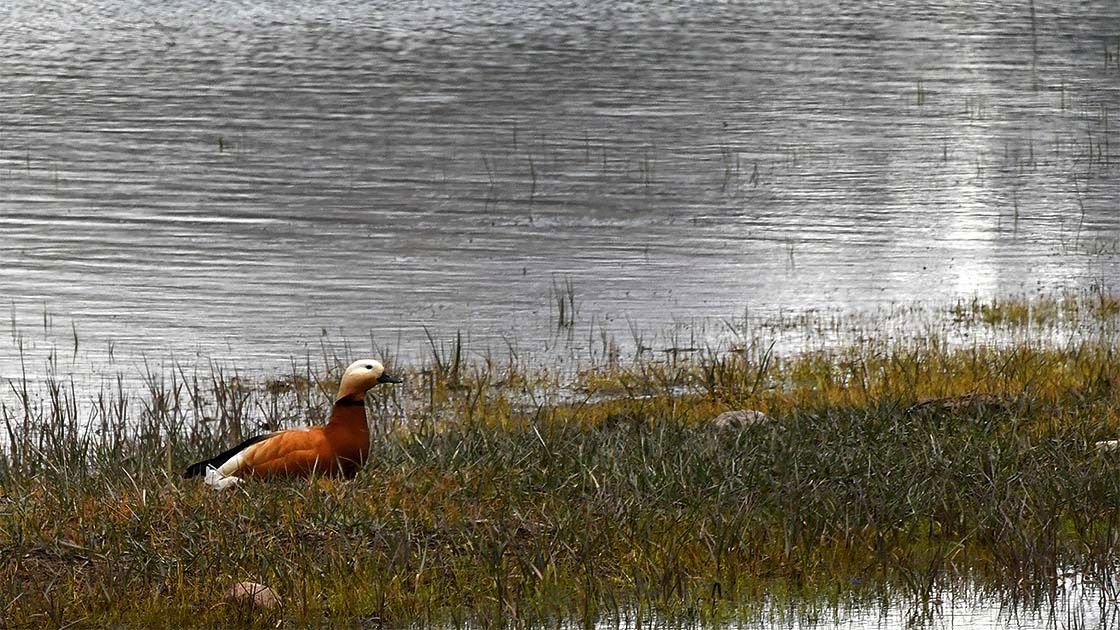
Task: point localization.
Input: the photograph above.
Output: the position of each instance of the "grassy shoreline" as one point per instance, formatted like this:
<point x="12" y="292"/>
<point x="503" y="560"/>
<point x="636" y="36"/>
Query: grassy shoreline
<point x="497" y="502"/>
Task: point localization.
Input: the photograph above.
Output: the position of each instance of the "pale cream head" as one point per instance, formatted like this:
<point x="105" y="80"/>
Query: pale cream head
<point x="361" y="376"/>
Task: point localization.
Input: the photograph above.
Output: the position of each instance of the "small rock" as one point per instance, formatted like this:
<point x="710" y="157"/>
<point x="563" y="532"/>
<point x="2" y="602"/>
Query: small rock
<point x="252" y="595"/>
<point x="742" y="419"/>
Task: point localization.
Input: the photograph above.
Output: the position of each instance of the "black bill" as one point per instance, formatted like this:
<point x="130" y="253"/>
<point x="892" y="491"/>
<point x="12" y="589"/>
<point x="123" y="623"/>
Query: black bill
<point x="389" y="378"/>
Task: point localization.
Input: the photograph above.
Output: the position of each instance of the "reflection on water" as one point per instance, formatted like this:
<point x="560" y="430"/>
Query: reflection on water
<point x="236" y="178"/>
<point x="1073" y="601"/>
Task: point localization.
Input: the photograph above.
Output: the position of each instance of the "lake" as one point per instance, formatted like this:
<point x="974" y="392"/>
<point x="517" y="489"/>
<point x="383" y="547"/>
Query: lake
<point x="241" y="180"/>
<point x="246" y="181"/>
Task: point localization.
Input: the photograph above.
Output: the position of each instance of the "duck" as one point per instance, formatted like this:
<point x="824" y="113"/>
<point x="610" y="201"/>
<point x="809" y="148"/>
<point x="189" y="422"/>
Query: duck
<point x="337" y="449"/>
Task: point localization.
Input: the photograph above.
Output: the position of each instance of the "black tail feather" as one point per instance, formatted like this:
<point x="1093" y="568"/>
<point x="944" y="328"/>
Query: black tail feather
<point x="199" y="468"/>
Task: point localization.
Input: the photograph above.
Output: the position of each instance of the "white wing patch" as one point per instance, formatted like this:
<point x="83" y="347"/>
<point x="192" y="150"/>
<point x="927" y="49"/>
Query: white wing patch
<point x="226" y="475"/>
<point x="234" y="463"/>
<point x="218" y="481"/>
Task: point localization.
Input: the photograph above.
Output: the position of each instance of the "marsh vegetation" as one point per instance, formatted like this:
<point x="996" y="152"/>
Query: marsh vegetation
<point x="896" y="470"/>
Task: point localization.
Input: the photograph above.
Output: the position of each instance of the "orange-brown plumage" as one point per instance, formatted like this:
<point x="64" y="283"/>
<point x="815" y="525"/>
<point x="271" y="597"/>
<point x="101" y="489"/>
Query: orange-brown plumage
<point x="338" y="448"/>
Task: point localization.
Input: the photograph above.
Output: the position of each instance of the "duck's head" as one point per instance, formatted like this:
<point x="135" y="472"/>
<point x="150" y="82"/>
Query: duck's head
<point x="361" y="376"/>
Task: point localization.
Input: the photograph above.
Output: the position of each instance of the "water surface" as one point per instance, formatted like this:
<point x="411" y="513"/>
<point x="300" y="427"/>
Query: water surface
<point x="234" y="179"/>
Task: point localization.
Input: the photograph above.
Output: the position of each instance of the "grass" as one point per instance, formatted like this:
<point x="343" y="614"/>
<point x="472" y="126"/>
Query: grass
<point x="896" y="470"/>
<point x="563" y="296"/>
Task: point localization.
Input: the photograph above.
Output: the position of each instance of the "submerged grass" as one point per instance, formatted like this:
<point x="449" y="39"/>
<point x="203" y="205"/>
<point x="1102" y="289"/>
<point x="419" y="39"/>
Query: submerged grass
<point x="893" y="471"/>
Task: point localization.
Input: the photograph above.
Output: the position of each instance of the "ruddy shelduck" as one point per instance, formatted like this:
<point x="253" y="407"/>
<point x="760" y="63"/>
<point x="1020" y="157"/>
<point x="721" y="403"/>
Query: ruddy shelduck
<point x="338" y="448"/>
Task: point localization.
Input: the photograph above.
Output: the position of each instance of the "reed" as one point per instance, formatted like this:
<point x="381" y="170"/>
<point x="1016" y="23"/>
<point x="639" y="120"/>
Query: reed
<point x="563" y="296"/>
<point x="509" y="495"/>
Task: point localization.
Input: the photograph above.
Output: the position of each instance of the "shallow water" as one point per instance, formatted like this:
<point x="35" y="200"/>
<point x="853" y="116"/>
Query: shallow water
<point x="237" y="179"/>
<point x="1074" y="603"/>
